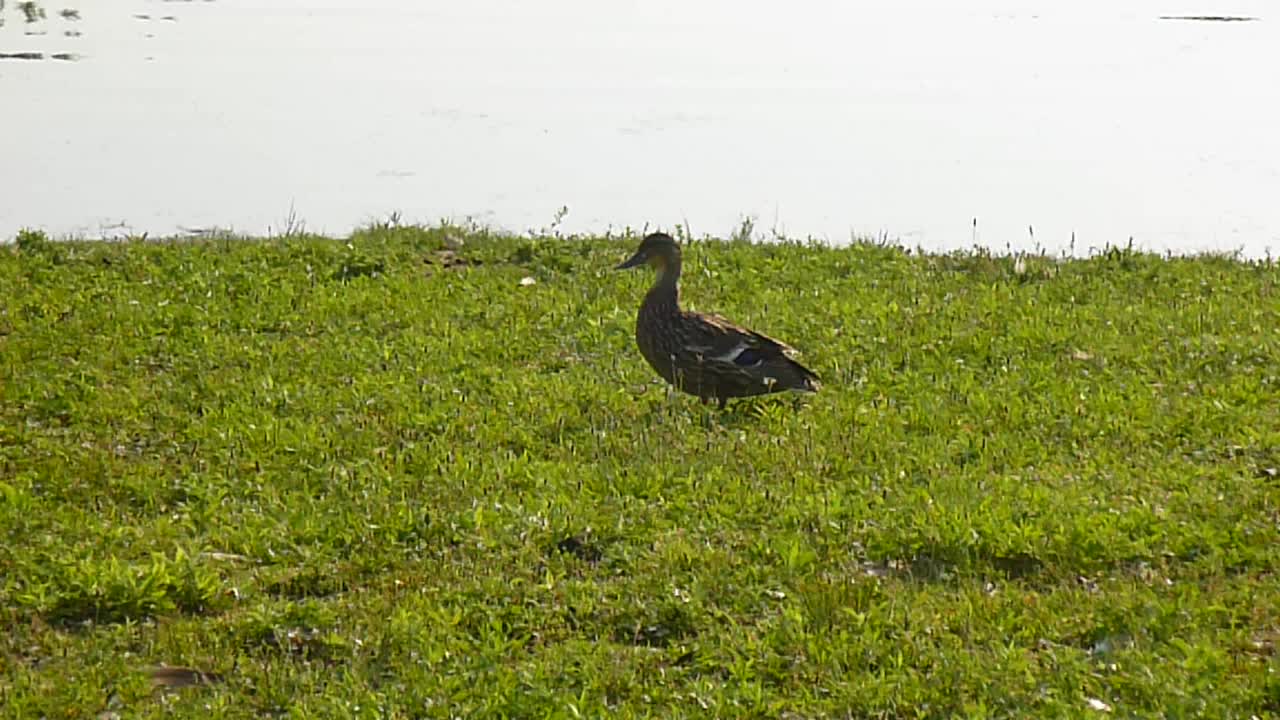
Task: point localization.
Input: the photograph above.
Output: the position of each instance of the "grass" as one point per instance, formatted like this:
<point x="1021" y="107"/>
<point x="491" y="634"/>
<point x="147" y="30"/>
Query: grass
<point x="387" y="476"/>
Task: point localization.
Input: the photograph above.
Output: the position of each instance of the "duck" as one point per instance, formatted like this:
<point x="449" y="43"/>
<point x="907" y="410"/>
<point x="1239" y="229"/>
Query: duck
<point x="704" y="354"/>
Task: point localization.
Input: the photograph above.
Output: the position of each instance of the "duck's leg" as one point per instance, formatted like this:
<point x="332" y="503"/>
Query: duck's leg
<point x="724" y="402"/>
<point x="706" y="414"/>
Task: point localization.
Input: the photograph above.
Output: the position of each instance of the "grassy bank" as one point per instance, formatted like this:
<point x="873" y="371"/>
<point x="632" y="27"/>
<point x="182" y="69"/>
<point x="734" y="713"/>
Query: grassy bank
<point x="425" y="473"/>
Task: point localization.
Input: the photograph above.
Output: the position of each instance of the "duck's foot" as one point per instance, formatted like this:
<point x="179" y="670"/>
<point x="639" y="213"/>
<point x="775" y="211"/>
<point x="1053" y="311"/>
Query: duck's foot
<point x="711" y="418"/>
<point x="723" y="402"/>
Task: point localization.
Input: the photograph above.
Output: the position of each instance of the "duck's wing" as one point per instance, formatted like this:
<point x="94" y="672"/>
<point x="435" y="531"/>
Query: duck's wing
<point x="728" y="360"/>
<point x="719" y="340"/>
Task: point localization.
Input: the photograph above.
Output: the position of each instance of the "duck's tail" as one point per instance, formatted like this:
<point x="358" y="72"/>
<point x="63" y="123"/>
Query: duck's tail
<point x="791" y="375"/>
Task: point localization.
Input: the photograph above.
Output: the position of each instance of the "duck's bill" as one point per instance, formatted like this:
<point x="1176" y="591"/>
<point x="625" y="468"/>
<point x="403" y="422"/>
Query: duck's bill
<point x="633" y="261"/>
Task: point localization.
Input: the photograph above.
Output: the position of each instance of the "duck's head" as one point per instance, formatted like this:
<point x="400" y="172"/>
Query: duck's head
<point x="658" y="250"/>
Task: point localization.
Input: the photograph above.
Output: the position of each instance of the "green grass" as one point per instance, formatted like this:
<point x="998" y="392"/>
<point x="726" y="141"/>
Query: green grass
<point x="372" y="478"/>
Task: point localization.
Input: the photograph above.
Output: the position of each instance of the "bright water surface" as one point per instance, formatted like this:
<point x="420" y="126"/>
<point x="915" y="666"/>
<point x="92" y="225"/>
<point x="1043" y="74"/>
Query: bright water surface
<point x="900" y="118"/>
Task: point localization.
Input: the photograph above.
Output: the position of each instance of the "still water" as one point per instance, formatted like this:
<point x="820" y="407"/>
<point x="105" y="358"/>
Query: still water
<point x="1007" y="123"/>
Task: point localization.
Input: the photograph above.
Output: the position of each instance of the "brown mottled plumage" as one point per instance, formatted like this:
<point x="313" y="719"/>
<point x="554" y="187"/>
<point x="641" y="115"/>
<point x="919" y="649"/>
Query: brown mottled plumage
<point x="701" y="354"/>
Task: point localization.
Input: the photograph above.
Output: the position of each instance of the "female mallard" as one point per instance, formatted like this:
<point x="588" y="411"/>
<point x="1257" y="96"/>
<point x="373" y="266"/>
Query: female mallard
<point x="706" y="355"/>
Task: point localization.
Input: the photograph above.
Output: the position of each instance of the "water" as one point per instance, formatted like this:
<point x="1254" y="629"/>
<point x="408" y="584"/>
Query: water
<point x="1014" y="123"/>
